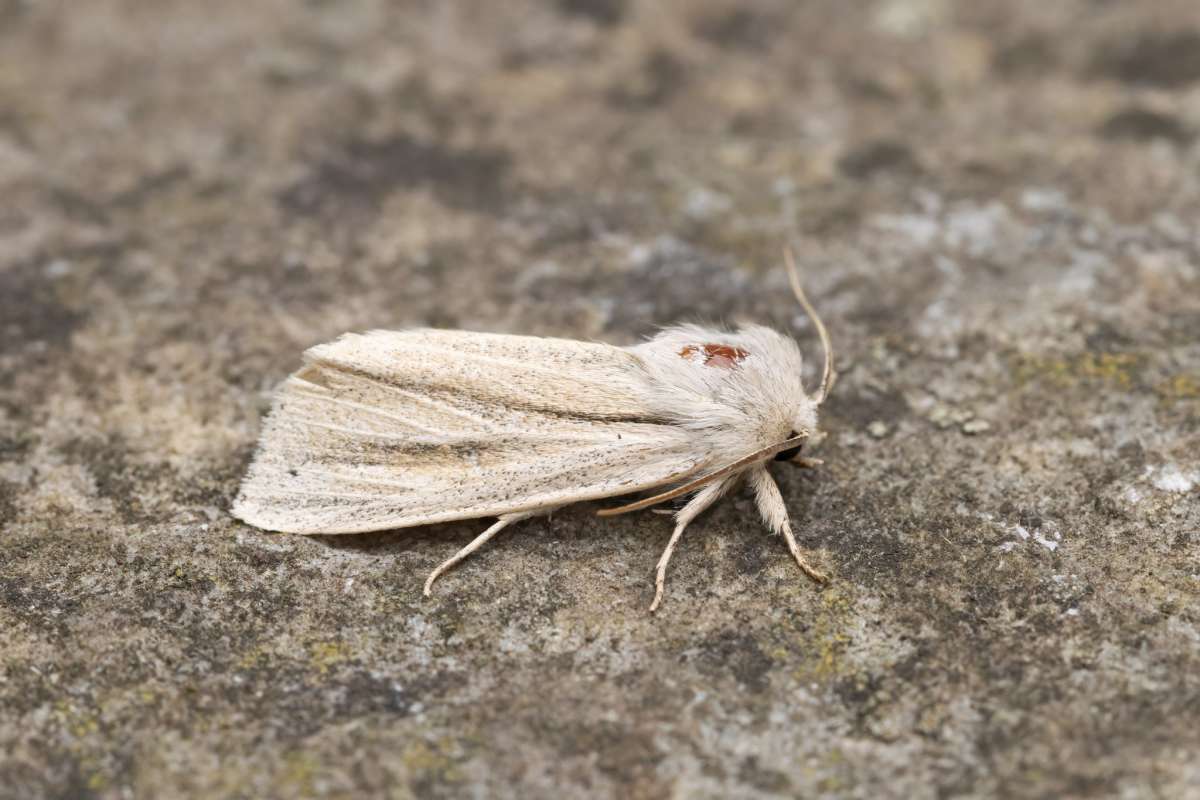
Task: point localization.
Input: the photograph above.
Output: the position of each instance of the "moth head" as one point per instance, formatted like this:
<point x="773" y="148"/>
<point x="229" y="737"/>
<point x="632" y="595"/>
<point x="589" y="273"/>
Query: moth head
<point x="793" y="447"/>
<point x="804" y="426"/>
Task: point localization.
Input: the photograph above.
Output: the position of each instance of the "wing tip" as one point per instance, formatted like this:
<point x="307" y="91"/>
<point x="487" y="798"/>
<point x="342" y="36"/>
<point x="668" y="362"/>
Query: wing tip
<point x="349" y="339"/>
<point x="253" y="514"/>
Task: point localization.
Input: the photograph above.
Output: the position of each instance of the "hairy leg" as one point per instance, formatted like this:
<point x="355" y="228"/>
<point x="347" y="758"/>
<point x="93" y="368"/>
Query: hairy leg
<point x="774" y="514"/>
<point x="699" y="502"/>
<point x="476" y="543"/>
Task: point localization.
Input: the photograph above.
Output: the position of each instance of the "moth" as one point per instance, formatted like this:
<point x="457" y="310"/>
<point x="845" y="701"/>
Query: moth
<point x="392" y="429"/>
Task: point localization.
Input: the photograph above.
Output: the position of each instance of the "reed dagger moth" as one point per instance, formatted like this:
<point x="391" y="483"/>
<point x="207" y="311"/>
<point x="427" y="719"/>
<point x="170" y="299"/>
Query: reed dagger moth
<point x="395" y="429"/>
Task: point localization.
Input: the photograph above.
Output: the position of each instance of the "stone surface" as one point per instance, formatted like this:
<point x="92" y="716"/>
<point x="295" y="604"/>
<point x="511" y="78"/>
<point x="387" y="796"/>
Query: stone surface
<point x="995" y="204"/>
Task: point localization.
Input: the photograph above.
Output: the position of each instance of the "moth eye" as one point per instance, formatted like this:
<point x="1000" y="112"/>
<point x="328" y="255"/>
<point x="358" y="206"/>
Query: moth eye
<point x="723" y="356"/>
<point x="791" y="452"/>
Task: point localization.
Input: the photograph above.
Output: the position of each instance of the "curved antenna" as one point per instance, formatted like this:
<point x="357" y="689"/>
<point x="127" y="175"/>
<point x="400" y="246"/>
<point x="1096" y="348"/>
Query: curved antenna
<point x="828" y="376"/>
<point x="757" y="455"/>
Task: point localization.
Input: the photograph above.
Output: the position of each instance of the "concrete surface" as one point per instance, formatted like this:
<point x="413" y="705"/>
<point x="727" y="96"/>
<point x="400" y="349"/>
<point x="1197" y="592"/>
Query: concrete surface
<point x="995" y="204"/>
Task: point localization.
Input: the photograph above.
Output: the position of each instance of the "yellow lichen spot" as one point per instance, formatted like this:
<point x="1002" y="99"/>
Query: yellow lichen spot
<point x="1179" y="387"/>
<point x="326" y="654"/>
<point x="1114" y="369"/>
<point x="433" y="759"/>
<point x="826" y="638"/>
<point x="84" y="726"/>
<point x="930" y="720"/>
<point x="1030" y="368"/>
<point x="79" y="722"/>
<point x="1110" y="367"/>
<point x="254" y="657"/>
<point x="834" y="761"/>
<point x="831" y="785"/>
<point x="830" y="630"/>
<point x="299" y="769"/>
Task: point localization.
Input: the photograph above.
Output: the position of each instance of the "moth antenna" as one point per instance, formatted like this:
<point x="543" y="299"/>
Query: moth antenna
<point x="827" y="377"/>
<point x="733" y="466"/>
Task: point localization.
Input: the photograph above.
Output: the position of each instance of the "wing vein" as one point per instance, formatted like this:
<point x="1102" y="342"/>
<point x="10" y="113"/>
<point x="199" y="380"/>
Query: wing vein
<point x="509" y="363"/>
<point x="344" y="403"/>
<point x="423" y="399"/>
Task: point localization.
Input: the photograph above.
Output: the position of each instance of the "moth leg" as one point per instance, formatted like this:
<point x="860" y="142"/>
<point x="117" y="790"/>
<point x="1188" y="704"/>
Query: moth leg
<point x="476" y="543"/>
<point x="694" y="508"/>
<point x="774" y="514"/>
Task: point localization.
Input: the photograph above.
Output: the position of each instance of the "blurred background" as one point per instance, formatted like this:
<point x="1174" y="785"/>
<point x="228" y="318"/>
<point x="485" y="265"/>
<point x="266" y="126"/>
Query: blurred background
<point x="994" y="203"/>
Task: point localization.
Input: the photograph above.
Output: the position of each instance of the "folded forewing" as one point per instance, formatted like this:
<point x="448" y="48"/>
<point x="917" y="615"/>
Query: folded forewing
<point x="393" y="429"/>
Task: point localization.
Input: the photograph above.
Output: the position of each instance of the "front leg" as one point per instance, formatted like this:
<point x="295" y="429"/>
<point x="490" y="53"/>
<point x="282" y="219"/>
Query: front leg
<point x="774" y="514"/>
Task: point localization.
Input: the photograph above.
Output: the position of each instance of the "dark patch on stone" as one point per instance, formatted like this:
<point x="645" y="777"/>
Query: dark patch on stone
<point x="737" y="654"/>
<point x="147" y="186"/>
<point x="674" y="283"/>
<point x="1029" y="56"/>
<point x="740" y="28"/>
<point x="602" y="12"/>
<point x="12" y="13"/>
<point x="365" y="172"/>
<point x="14" y="448"/>
<point x="78" y="206"/>
<point x="28" y="689"/>
<point x="1182" y="326"/>
<point x="8" y="502"/>
<point x="31" y="310"/>
<point x="14" y="126"/>
<point x="72" y="778"/>
<point x="750" y="553"/>
<point x="876" y="556"/>
<point x="1142" y="125"/>
<point x="862" y="408"/>
<point x="1169" y="60"/>
<point x="1107" y="338"/>
<point x="294" y="285"/>
<point x="765" y="779"/>
<point x="363" y="693"/>
<point x="660" y="78"/>
<point x="116" y="479"/>
<point x="621" y="752"/>
<point x="1184" y="541"/>
<point x="875" y="158"/>
<point x="252" y="602"/>
<point x="41" y="608"/>
<point x="861" y="695"/>
<point x="870" y="87"/>
<point x="216" y="486"/>
<point x="444" y="114"/>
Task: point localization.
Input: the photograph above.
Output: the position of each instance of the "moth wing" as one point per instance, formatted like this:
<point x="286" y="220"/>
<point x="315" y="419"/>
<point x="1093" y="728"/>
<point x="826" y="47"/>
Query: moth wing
<point x="393" y="429"/>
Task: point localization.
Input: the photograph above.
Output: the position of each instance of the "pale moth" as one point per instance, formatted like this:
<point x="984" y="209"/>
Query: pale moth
<point x="391" y="429"/>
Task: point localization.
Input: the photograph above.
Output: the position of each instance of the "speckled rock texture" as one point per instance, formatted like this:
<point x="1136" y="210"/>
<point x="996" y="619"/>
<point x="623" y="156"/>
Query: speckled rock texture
<point x="995" y="207"/>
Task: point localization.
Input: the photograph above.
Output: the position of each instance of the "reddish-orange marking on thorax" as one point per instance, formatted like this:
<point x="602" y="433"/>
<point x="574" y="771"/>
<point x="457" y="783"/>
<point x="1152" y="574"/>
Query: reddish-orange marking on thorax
<point x="715" y="355"/>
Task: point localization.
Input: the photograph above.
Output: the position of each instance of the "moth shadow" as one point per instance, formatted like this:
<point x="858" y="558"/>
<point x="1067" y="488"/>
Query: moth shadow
<point x="397" y="541"/>
<point x="574" y="526"/>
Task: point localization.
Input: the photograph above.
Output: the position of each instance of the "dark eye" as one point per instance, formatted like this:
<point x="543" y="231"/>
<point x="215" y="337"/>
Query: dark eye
<point x="791" y="452"/>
